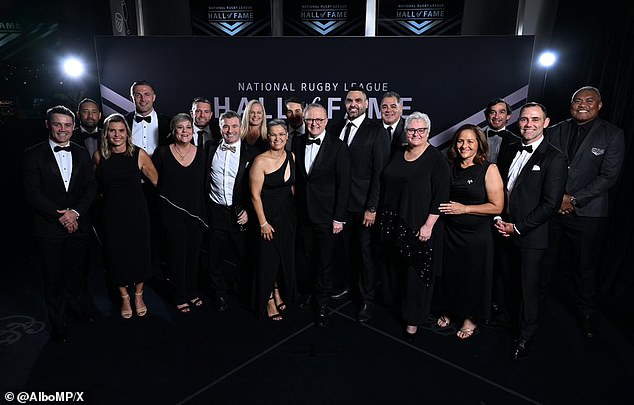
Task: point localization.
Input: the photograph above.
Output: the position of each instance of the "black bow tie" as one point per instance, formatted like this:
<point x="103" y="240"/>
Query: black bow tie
<point x="310" y="141"/>
<point x="232" y="148"/>
<point x="491" y="132"/>
<point x="62" y="148"/>
<point x="527" y="148"/>
<point x="147" y="119"/>
<point x="91" y="135"/>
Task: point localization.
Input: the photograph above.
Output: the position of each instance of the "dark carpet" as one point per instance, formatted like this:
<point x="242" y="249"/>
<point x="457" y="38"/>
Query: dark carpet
<point x="232" y="357"/>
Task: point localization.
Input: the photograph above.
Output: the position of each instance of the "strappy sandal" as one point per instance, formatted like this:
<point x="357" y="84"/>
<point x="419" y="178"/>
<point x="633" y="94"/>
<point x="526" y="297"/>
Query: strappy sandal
<point x="196" y="302"/>
<point x="274" y="317"/>
<point x="183" y="308"/>
<point x="443" y="321"/>
<point x="126" y="313"/>
<point x="140" y="310"/>
<point x="281" y="306"/>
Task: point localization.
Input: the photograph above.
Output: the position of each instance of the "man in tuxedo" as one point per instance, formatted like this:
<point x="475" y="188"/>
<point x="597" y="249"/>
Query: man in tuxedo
<point x="595" y="150"/>
<point x="227" y="183"/>
<point x="88" y="133"/>
<point x="369" y="153"/>
<point x="295" y="116"/>
<point x="60" y="185"/>
<point x="534" y="174"/>
<point x="202" y="113"/>
<point x="391" y="112"/>
<point x="497" y="114"/>
<point x="149" y="129"/>
<point x="322" y="190"/>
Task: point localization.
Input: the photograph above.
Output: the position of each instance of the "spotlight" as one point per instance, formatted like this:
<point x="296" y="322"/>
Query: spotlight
<point x="73" y="67"/>
<point x="547" y="59"/>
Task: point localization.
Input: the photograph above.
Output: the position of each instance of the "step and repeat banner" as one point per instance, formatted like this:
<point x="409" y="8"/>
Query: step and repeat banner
<point x="449" y="78"/>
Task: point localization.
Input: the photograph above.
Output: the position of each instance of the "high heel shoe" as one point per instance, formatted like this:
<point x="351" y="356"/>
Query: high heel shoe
<point x="141" y="310"/>
<point x="126" y="313"/>
<point x="274" y="317"/>
<point x="281" y="306"/>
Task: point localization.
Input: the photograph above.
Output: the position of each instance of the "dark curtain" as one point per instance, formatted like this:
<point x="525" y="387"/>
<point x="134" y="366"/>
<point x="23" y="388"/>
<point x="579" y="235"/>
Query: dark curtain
<point x="597" y="49"/>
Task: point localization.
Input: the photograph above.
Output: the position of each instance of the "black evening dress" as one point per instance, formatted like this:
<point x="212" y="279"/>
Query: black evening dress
<point x="468" y="248"/>
<point x="410" y="192"/>
<point x="126" y="220"/>
<point x="277" y="256"/>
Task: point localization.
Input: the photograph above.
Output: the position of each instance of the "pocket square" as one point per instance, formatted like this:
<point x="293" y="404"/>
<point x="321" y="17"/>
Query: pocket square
<point x="536" y="168"/>
<point x="597" y="151"/>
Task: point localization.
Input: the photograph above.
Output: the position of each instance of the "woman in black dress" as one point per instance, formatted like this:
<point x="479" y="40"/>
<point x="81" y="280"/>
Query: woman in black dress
<point x="272" y="176"/>
<point x="476" y="194"/>
<point x="181" y="169"/>
<point x="120" y="167"/>
<point x="413" y="185"/>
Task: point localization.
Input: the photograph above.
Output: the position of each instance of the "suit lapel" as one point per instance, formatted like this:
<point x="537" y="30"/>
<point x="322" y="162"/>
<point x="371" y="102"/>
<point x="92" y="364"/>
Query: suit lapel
<point x="320" y="153"/>
<point x="52" y="164"/>
<point x="536" y="157"/>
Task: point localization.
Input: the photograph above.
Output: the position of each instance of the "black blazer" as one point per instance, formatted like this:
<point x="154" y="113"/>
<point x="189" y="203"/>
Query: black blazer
<point x="241" y="195"/>
<point x="163" y="127"/>
<point x="369" y="154"/>
<point x="399" y="138"/>
<point x="537" y="193"/>
<point x="595" y="166"/>
<point x="45" y="192"/>
<point x="323" y="194"/>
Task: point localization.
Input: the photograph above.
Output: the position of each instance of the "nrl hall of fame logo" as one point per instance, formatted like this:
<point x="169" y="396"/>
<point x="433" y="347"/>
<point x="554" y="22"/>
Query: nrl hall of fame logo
<point x="230" y="19"/>
<point x="324" y="18"/>
<point x="420" y="18"/>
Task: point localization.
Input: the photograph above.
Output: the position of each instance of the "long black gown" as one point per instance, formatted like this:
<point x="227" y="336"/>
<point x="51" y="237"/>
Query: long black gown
<point x="277" y="256"/>
<point x="410" y="191"/>
<point x="126" y="220"/>
<point x="468" y="248"/>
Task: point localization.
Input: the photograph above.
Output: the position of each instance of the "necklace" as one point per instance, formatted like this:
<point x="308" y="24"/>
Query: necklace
<point x="182" y="156"/>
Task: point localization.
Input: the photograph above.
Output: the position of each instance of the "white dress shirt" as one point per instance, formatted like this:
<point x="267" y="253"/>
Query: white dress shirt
<point x="353" y="131"/>
<point x="64" y="162"/>
<point x="145" y="135"/>
<point x="312" y="150"/>
<point x="224" y="169"/>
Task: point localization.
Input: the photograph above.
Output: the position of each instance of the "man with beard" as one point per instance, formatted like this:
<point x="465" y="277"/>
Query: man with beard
<point x="295" y="116"/>
<point x="202" y="113"/>
<point x="88" y="133"/>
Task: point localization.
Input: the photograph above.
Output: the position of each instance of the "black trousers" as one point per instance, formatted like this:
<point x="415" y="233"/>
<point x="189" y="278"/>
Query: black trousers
<point x="360" y="246"/>
<point x="575" y="249"/>
<point x="226" y="241"/>
<point x="63" y="261"/>
<point x="520" y="275"/>
<point x="319" y="251"/>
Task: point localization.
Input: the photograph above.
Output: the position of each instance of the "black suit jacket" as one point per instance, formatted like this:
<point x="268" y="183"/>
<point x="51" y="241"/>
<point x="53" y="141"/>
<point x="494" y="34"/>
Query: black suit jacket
<point x="537" y="193"/>
<point x="399" y="138"/>
<point x="595" y="166"/>
<point x="45" y="192"/>
<point x="322" y="195"/>
<point x="369" y="154"/>
<point x="241" y="195"/>
<point x="163" y="127"/>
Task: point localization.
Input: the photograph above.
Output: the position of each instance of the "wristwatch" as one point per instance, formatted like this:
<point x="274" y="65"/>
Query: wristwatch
<point x="372" y="209"/>
<point x="573" y="201"/>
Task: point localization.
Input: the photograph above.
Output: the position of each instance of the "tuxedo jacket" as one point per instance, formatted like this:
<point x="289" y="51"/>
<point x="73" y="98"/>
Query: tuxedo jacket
<point x="323" y="194"/>
<point x="369" y="154"/>
<point x="595" y="167"/>
<point x="507" y="136"/>
<point x="399" y="137"/>
<point x="79" y="138"/>
<point x="537" y="192"/>
<point x="45" y="192"/>
<point x="163" y="127"/>
<point x="241" y="196"/>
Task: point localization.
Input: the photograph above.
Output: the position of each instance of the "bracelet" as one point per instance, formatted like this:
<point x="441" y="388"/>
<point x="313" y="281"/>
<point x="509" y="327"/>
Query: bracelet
<point x="264" y="224"/>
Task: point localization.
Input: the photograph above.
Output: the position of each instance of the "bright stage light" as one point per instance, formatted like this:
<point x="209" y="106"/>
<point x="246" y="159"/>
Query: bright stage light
<point x="547" y="59"/>
<point x="73" y="67"/>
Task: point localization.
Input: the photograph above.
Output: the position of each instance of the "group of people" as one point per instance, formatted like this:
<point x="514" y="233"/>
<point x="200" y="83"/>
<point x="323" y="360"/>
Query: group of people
<point x="369" y="209"/>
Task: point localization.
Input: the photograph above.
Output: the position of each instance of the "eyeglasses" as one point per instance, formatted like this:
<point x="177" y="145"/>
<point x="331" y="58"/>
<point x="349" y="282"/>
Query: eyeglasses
<point x="315" y="120"/>
<point x="417" y="131"/>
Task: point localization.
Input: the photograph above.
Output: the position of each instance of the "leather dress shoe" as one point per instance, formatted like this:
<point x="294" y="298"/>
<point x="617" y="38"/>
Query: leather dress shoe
<point x="521" y="349"/>
<point x="587" y="326"/>
<point x="305" y="301"/>
<point x="364" y="313"/>
<point x="322" y="315"/>
<point x="337" y="295"/>
<point x="220" y="303"/>
<point x="81" y="316"/>
<point x="59" y="336"/>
